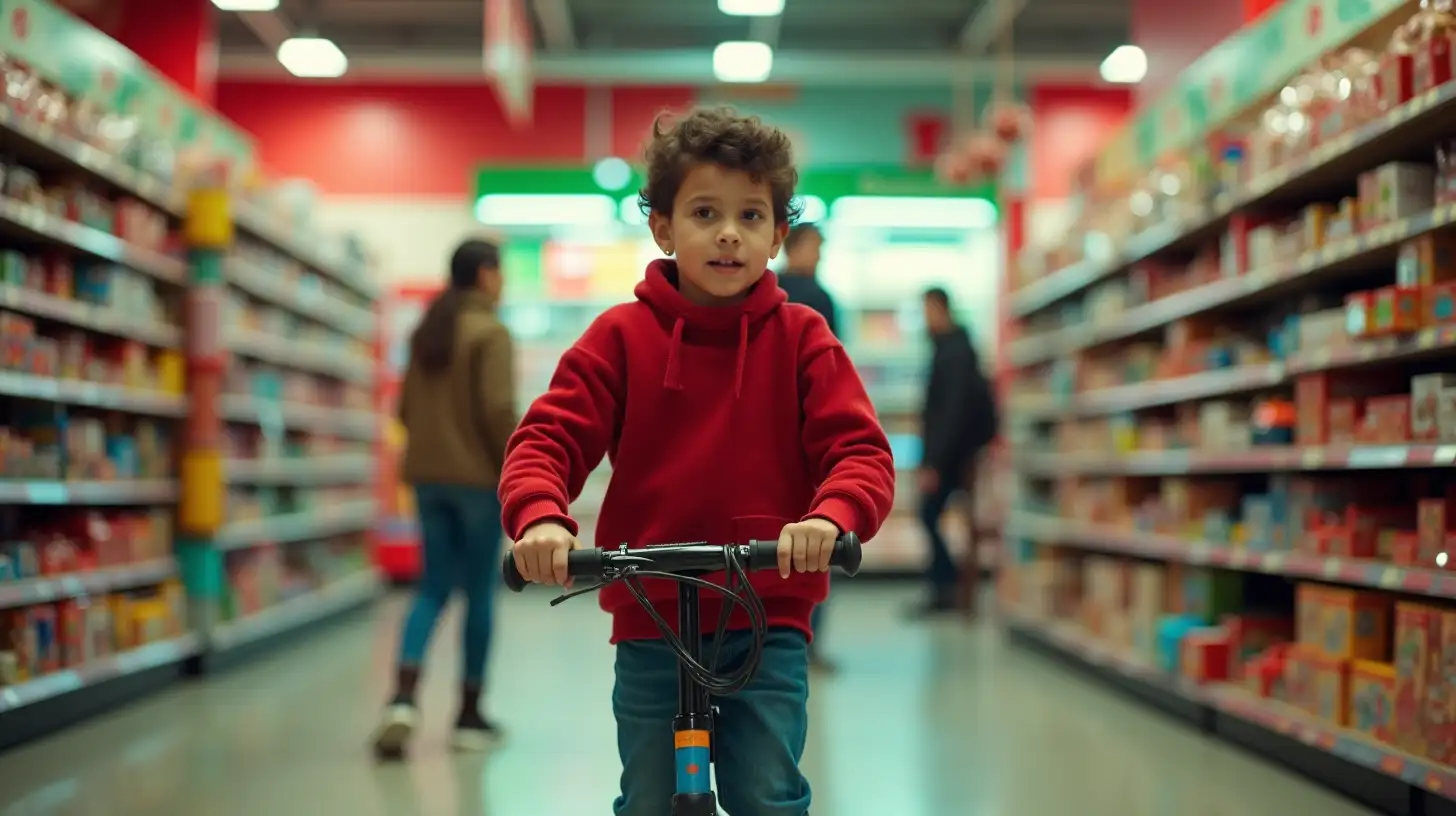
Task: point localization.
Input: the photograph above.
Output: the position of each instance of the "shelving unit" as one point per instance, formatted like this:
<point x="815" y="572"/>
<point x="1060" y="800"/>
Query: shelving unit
<point x="148" y="399"/>
<point x="280" y="497"/>
<point x="91" y="384"/>
<point x="1233" y="430"/>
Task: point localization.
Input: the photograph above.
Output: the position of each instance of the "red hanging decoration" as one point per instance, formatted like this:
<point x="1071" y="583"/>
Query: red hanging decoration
<point x="1010" y="121"/>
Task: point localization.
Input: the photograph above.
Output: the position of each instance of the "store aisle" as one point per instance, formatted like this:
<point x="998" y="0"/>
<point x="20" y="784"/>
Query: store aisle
<point x="921" y="721"/>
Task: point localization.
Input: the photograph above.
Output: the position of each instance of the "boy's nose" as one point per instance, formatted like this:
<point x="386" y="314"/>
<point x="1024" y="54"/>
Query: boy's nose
<point x="728" y="236"/>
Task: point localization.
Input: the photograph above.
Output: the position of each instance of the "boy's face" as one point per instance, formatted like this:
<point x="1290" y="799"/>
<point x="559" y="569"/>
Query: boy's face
<point x="722" y="232"/>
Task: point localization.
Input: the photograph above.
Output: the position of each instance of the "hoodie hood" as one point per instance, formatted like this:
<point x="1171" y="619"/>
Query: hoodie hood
<point x="706" y="325"/>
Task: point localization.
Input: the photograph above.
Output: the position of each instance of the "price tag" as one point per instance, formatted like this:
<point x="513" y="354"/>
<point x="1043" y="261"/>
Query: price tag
<point x="1313" y="458"/>
<point x="44" y="592"/>
<point x="1331" y="568"/>
<point x="1391" y="578"/>
<point x="1377" y="457"/>
<point x="1426" y="340"/>
<point x="1272" y="562"/>
<point x="46" y="493"/>
<point x="1444" y="455"/>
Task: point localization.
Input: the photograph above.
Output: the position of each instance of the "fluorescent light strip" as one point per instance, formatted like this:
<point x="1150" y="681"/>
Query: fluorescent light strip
<point x="312" y="58"/>
<point x="512" y="210"/>
<point x="246" y="5"/>
<point x="911" y="213"/>
<point x="742" y="61"/>
<point x="1126" y="65"/>
<point x="751" y="8"/>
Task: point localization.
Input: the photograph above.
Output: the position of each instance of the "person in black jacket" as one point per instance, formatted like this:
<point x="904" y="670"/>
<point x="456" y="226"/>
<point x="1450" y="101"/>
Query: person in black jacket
<point x="958" y="420"/>
<point x="803" y="246"/>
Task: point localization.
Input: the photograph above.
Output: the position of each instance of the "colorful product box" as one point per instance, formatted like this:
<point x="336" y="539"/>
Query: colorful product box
<point x="1438" y="303"/>
<point x="1301" y="666"/>
<point x="1251" y="635"/>
<point x="1426" y="260"/>
<point x="1309" y="609"/>
<point x="1207" y="655"/>
<point x="1417" y="642"/>
<point x="1172" y="630"/>
<point x="1372" y="700"/>
<point x="1433" y="522"/>
<point x="1264" y="673"/>
<point x="1441" y="695"/>
<point x="1425" y="405"/>
<point x="1397" y="310"/>
<point x="1329" y="689"/>
<point x="1355" y="624"/>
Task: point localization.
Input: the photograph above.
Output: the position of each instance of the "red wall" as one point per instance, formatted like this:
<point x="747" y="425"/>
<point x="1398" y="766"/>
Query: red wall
<point x="1071" y="123"/>
<point x="388" y="139"/>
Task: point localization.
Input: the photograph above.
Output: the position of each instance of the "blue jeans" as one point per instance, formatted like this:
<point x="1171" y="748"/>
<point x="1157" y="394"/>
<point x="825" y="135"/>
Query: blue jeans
<point x="759" y="732"/>
<point x="816" y="622"/>
<point x="943" y="574"/>
<point x="461" y="531"/>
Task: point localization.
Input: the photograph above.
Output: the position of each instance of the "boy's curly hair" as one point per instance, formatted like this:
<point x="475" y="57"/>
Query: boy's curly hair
<point x="723" y="137"/>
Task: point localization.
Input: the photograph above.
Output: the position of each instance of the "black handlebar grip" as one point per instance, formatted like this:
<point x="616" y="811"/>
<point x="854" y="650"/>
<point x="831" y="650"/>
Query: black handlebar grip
<point x="588" y="563"/>
<point x="764" y="555"/>
<point x="515" y="581"/>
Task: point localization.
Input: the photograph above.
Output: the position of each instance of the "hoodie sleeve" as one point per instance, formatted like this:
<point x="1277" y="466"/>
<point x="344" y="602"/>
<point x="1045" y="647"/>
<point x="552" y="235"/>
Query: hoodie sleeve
<point x="843" y="438"/>
<point x="563" y="436"/>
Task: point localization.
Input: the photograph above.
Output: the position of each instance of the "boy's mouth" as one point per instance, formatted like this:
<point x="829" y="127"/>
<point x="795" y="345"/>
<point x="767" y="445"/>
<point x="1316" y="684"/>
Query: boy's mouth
<point x="726" y="264"/>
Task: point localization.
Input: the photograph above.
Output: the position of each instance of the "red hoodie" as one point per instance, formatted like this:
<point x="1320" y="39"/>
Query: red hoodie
<point x="723" y="424"/>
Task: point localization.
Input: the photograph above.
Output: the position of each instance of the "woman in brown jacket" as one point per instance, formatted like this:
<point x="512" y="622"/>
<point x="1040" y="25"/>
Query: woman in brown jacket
<point x="458" y="409"/>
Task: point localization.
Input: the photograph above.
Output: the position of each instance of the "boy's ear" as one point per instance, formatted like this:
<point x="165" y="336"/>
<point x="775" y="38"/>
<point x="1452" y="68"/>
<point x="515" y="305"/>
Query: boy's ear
<point x="781" y="233"/>
<point x="661" y="227"/>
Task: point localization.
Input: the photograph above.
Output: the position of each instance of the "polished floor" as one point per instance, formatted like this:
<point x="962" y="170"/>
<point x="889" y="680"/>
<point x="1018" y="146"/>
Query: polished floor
<point x="920" y="721"/>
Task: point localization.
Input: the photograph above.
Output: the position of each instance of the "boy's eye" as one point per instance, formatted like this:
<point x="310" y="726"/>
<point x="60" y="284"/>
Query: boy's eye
<point x="752" y="215"/>
<point x="703" y="212"/>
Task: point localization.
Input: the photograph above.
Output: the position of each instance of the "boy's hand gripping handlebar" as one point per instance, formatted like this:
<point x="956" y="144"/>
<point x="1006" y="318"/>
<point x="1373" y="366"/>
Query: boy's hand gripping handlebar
<point x="699" y="557"/>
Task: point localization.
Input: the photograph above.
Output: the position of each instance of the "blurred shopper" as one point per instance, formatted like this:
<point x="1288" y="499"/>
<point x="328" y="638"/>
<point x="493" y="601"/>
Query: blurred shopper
<point x="458" y="408"/>
<point x="799" y="280"/>
<point x="958" y="420"/>
<point x="803" y="246"/>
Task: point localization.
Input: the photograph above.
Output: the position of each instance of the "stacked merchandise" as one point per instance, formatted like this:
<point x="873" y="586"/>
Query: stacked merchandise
<point x="96" y="384"/>
<point x="1237" y="398"/>
<point x="92" y="380"/>
<point x="298" y="394"/>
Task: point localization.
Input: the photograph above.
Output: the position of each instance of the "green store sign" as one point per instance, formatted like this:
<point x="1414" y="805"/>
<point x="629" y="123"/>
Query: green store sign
<point x="828" y="184"/>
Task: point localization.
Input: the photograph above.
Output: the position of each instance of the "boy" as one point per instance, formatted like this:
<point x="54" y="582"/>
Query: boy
<point x="729" y="416"/>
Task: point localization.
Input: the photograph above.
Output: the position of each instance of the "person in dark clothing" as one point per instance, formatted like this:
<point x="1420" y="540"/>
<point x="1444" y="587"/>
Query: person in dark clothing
<point x="958" y="420"/>
<point x="803" y="246"/>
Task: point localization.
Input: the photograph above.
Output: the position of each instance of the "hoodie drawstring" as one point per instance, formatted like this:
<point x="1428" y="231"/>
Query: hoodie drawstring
<point x="742" y="356"/>
<point x="673" y="379"/>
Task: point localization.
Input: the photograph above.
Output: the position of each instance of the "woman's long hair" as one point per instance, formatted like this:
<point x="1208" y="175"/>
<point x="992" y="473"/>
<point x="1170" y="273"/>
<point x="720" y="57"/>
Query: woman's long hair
<point x="433" y="343"/>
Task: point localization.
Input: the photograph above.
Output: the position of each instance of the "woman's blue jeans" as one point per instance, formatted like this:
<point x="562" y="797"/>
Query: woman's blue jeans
<point x="460" y="529"/>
